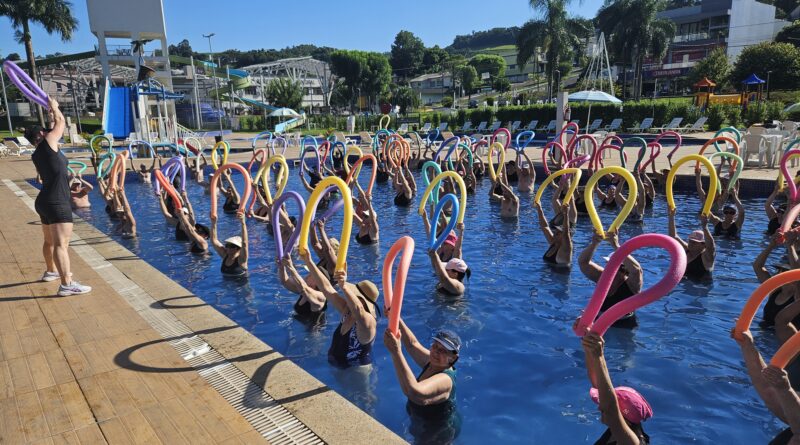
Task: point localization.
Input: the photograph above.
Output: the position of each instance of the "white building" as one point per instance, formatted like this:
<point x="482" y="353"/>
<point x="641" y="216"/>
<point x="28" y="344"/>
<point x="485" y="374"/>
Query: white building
<point x="314" y="75"/>
<point x="431" y="88"/>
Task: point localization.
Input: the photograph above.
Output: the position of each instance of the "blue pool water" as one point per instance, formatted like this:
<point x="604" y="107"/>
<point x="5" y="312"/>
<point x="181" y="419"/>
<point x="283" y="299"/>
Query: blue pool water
<point x="521" y="377"/>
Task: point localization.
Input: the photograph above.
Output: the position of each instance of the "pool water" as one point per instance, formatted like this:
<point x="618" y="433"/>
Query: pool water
<point x="521" y="377"/>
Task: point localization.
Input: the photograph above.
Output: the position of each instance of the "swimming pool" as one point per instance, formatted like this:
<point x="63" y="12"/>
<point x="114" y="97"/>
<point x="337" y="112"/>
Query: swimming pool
<point x="520" y="376"/>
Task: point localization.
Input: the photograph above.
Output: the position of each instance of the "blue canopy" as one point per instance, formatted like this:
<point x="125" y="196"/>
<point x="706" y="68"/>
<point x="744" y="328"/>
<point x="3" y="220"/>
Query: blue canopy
<point x="753" y="80"/>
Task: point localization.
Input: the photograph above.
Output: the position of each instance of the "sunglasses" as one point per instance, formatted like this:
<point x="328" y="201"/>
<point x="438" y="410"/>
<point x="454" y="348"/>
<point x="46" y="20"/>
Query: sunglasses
<point x="729" y="212"/>
<point x="231" y="246"/>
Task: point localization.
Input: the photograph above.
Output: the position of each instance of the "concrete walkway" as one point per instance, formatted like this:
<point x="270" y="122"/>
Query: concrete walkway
<point x="140" y="359"/>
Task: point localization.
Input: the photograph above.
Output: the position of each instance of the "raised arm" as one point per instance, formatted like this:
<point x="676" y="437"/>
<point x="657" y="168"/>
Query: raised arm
<point x="755" y="365"/>
<point x="711" y="245"/>
<point x="452" y="285"/>
<point x="365" y="322"/>
<point x="457" y="251"/>
<point x="768" y="208"/>
<point x="760" y="263"/>
<point x="59" y="124"/>
<point x="245" y="244"/>
<point x="548" y="234"/>
<point x="673" y="232"/>
<point x="589" y="268"/>
<point x="171" y="220"/>
<point x="218" y="246"/>
<point x="419" y="353"/>
<point x="635" y="272"/>
<point x="740" y="212"/>
<point x="698" y="183"/>
<point x="593" y="346"/>
<point x="188" y="228"/>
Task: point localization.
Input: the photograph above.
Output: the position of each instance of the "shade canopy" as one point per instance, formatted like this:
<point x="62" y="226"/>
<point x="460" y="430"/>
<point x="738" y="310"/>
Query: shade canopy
<point x="593" y="96"/>
<point x="753" y="80"/>
<point x="284" y="112"/>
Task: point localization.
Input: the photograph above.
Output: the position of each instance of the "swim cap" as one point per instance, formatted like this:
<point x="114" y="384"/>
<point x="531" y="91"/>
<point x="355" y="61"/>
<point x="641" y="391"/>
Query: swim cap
<point x="697" y="236"/>
<point x="632" y="405"/>
<point x="457" y="265"/>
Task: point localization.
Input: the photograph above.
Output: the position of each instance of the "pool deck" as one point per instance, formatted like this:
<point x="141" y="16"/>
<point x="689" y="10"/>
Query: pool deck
<point x="140" y="359"/>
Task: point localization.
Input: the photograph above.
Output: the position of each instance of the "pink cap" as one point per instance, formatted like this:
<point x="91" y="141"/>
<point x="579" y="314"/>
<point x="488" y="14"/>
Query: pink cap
<point x="698" y="236"/>
<point x="451" y="239"/>
<point x="457" y="265"/>
<point x="633" y="406"/>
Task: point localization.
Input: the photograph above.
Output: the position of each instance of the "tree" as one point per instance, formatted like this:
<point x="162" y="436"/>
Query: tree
<point x="636" y="33"/>
<point x="715" y="66"/>
<point x="790" y="34"/>
<point x="365" y="71"/>
<point x="183" y="49"/>
<point x="285" y="92"/>
<point x="55" y="16"/>
<point x="14" y="57"/>
<point x="433" y="58"/>
<point x="489" y="63"/>
<point x="447" y="101"/>
<point x="468" y="77"/>
<point x="783" y="59"/>
<point x="407" y="54"/>
<point x="406" y="99"/>
<point x="501" y="84"/>
<point x="555" y="34"/>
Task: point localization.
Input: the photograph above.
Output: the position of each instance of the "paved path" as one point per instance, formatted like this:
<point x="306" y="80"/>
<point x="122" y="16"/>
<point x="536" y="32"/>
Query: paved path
<point x="139" y="359"/>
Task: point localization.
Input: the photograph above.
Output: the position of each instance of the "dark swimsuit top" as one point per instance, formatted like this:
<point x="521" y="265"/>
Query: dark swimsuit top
<point x="382" y="176"/>
<point x="438" y="410"/>
<point x="196" y="248"/>
<point x="234" y="270"/>
<point x="230" y="206"/>
<point x="732" y="232"/>
<point x="609" y="205"/>
<point x="695" y="268"/>
<point x="366" y="240"/>
<point x="773" y="226"/>
<point x="605" y="439"/>
<point x="580" y="206"/>
<point x="771" y="309"/>
<point x="551" y="254"/>
<point x="401" y="200"/>
<point x="347" y="351"/>
<point x="512" y="177"/>
<point x="180" y="235"/>
<point x="622" y="293"/>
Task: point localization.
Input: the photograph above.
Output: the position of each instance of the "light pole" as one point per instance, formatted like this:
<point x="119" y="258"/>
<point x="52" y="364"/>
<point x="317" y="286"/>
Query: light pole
<point x="768" y="73"/>
<point x="216" y="86"/>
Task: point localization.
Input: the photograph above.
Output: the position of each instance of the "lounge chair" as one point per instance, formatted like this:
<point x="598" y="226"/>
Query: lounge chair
<point x="697" y="126"/>
<point x="515" y="126"/>
<point x="481" y="127"/>
<point x="403" y="128"/>
<point x="494" y="127"/>
<point x="674" y="124"/>
<point x="425" y="128"/>
<point x="643" y="126"/>
<point x="13" y="148"/>
<point x="614" y="125"/>
<point x="340" y="137"/>
<point x="531" y="125"/>
<point x="416" y="140"/>
<point x="576" y="122"/>
<point x="595" y="125"/>
<point x="442" y="127"/>
<point x="550" y="127"/>
<point x="467" y="126"/>
<point x="366" y="139"/>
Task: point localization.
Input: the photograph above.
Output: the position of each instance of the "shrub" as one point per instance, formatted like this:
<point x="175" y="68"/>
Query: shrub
<point x="447" y="101"/>
<point x="490" y="101"/>
<point x="716" y="117"/>
<point x="733" y="115"/>
<point x="774" y="111"/>
<point x="755" y="114"/>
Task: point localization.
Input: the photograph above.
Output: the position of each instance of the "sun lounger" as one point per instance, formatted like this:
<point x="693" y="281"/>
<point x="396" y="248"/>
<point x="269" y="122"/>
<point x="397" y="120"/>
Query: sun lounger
<point x="643" y="126"/>
<point x="674" y="124"/>
<point x="614" y="125"/>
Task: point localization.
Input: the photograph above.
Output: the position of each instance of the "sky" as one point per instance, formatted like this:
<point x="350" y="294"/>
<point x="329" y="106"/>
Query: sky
<point x="368" y="25"/>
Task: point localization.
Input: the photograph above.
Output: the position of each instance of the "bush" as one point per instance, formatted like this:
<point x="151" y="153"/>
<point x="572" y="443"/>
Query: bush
<point x="447" y="101"/>
<point x="794" y="116"/>
<point x="490" y="101"/>
<point x="774" y="111"/>
<point x="716" y="117"/>
<point x="755" y="114"/>
<point x="734" y="116"/>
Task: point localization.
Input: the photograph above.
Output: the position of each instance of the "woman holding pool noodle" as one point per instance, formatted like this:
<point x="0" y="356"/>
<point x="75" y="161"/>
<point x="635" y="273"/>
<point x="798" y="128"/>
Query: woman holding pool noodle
<point x="234" y="251"/>
<point x="782" y="309"/>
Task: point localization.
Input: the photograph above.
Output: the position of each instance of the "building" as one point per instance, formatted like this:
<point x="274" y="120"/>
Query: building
<point x="514" y="72"/>
<point x="432" y="88"/>
<point x="729" y="24"/>
<point x="314" y="75"/>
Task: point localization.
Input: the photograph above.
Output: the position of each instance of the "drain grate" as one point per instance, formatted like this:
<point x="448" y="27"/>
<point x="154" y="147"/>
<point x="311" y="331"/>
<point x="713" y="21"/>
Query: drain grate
<point x="274" y="422"/>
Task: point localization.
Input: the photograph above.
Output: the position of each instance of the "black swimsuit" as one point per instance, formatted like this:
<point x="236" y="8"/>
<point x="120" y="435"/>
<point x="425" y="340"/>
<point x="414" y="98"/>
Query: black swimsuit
<point x="644" y="439"/>
<point x="551" y="254"/>
<point x="180" y="235"/>
<point x="366" y="240"/>
<point x="347" y="351"/>
<point x="732" y="232"/>
<point x="771" y="310"/>
<point x="401" y="200"/>
<point x="622" y="293"/>
<point x="53" y="202"/>
<point x="382" y="176"/>
<point x="695" y="268"/>
<point x="773" y="226"/>
<point x="234" y="270"/>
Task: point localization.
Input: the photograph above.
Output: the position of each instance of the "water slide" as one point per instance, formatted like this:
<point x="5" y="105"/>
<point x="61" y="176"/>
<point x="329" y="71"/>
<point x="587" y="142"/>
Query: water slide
<point x="117" y="112"/>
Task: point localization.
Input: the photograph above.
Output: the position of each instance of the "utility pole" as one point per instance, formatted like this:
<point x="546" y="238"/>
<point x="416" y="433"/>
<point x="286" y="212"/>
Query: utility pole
<point x="199" y="116"/>
<point x="216" y="85"/>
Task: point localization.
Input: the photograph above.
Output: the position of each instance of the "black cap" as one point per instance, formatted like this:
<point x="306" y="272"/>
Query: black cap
<point x="32" y="133"/>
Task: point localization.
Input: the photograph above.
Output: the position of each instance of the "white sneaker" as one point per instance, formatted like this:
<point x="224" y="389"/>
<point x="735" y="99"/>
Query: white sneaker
<point x="50" y="276"/>
<point x="73" y="288"/>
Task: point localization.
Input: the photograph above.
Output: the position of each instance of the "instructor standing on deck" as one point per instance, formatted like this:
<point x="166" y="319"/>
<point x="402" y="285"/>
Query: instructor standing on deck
<point x="53" y="202"/>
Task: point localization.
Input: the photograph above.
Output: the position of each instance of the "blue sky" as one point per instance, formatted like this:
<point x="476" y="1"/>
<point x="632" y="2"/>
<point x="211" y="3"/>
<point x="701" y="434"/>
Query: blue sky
<point x="351" y="24"/>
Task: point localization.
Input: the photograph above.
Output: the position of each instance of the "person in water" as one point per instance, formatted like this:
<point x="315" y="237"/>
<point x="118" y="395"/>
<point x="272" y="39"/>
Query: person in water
<point x="782" y="309"/>
<point x="311" y="303"/>
<point x="451" y="274"/>
<point x="622" y="409"/>
<point x="53" y="202"/>
<point x="509" y="201"/>
<point x="232" y="197"/>
<point x="701" y="250"/>
<point x="79" y="193"/>
<point x="527" y="174"/>
<point x="559" y="237"/>
<point x="197" y="234"/>
<point x="773" y="386"/>
<point x="431" y="394"/>
<point x="366" y="218"/>
<point x="405" y="187"/>
<point x="626" y="283"/>
<point x="730" y="225"/>
<point x="145" y="174"/>
<point x="610" y="199"/>
<point x="774" y="212"/>
<point x="124" y="214"/>
<point x="234" y="251"/>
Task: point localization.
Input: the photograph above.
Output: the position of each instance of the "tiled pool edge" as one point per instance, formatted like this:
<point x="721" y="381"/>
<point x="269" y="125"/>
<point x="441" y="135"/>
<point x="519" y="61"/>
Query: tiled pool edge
<point x="219" y="349"/>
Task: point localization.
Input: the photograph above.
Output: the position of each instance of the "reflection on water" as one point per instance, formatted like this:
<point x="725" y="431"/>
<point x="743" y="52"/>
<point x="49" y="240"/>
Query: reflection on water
<point x="520" y="375"/>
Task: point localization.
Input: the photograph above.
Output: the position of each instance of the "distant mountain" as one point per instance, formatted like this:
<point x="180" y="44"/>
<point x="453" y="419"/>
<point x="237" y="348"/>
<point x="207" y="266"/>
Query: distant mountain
<point x="484" y="39"/>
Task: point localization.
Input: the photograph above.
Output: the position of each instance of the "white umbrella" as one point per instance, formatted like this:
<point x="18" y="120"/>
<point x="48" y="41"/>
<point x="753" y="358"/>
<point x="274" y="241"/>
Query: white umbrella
<point x="280" y="112"/>
<point x="593" y="96"/>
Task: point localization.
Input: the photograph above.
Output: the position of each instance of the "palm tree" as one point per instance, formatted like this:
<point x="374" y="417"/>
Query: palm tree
<point x="55" y="16"/>
<point x="555" y="33"/>
<point x="636" y="33"/>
